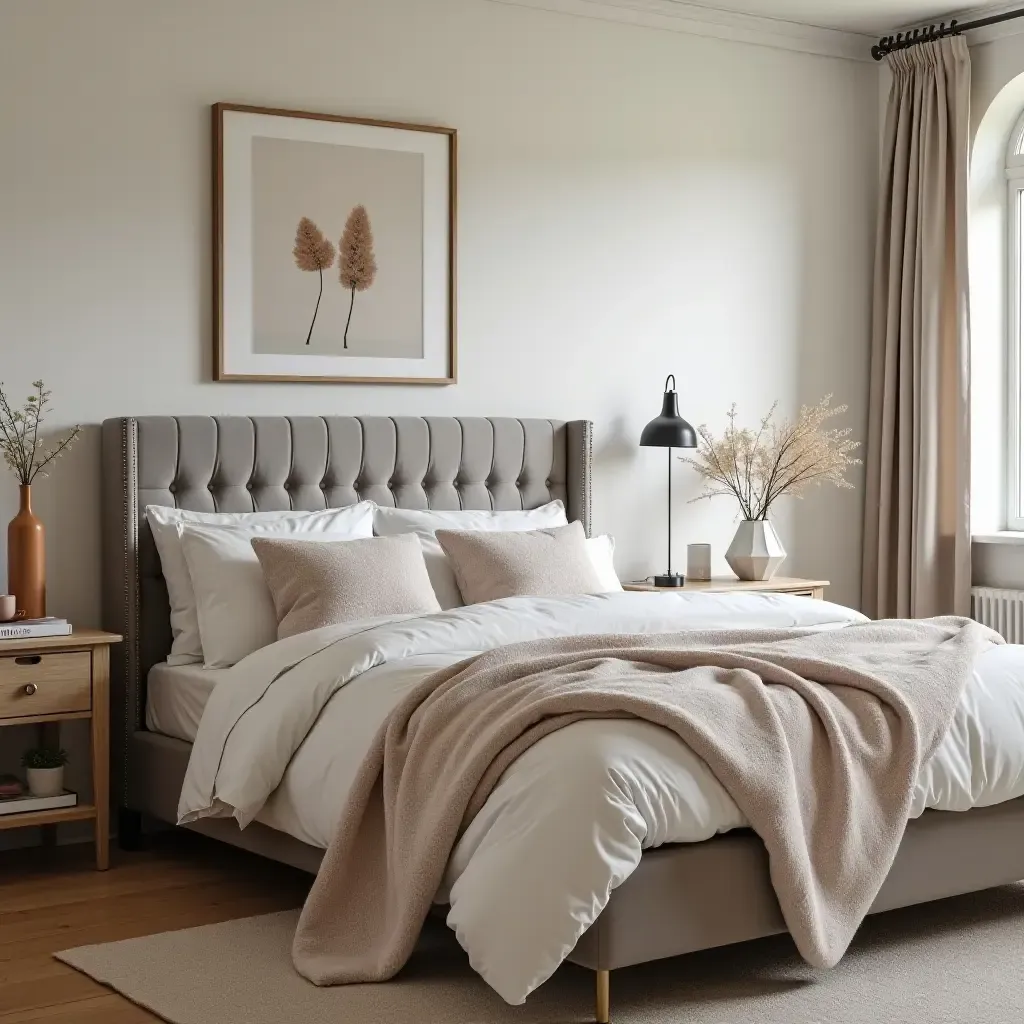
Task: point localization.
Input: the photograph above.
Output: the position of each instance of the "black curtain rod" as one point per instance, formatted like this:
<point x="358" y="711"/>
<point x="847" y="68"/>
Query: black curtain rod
<point x="903" y="40"/>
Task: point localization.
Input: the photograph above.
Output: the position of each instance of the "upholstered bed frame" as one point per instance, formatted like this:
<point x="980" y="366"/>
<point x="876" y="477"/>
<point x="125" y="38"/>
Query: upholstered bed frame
<point x="681" y="898"/>
<point x="266" y="463"/>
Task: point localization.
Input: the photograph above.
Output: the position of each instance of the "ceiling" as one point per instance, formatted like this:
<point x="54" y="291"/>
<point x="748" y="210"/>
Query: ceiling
<point x="871" y="17"/>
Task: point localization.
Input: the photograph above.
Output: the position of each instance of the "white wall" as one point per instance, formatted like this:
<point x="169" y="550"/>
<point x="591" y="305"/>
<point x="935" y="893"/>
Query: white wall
<point x="632" y="203"/>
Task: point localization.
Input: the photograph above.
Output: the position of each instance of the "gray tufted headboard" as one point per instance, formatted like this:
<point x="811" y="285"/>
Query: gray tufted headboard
<point x="264" y="463"/>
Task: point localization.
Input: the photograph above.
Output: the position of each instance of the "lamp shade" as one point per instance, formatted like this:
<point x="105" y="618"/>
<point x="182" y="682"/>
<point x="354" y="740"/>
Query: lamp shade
<point x="669" y="430"/>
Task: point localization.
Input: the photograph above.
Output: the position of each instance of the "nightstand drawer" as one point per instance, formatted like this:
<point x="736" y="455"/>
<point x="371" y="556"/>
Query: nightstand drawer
<point x="45" y="684"/>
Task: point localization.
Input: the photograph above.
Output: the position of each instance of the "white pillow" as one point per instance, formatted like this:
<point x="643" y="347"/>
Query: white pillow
<point x="391" y="522"/>
<point x="234" y="608"/>
<point x="602" y="555"/>
<point x="353" y="522"/>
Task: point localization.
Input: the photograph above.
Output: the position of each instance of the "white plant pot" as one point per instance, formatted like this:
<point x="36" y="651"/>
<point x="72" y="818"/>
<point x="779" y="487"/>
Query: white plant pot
<point x="45" y="781"/>
<point x="756" y="551"/>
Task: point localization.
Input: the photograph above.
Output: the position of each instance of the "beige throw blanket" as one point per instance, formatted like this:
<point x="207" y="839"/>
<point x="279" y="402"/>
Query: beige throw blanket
<point x="818" y="738"/>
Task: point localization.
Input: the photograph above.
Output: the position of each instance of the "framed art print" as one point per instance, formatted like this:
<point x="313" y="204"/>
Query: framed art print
<point x="334" y="248"/>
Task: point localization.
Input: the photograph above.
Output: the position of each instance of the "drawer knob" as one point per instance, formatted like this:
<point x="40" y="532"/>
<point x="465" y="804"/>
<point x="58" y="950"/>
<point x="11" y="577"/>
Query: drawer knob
<point x="30" y="688"/>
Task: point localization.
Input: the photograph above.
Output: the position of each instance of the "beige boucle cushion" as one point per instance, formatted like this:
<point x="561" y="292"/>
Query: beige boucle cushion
<point x="534" y="563"/>
<point x="318" y="583"/>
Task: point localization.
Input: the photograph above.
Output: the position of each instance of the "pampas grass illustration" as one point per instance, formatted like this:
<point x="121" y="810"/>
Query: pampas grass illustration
<point x="358" y="268"/>
<point x="312" y="252"/>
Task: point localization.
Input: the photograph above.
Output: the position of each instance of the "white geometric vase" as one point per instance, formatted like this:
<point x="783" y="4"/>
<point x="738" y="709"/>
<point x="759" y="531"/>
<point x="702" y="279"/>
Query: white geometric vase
<point x="756" y="551"/>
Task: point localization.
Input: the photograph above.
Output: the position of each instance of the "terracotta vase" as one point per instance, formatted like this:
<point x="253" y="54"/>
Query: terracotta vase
<point x="26" y="559"/>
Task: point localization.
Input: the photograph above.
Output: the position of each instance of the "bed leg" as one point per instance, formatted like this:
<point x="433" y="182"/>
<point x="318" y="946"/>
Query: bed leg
<point x="129" y="830"/>
<point x="601" y="1004"/>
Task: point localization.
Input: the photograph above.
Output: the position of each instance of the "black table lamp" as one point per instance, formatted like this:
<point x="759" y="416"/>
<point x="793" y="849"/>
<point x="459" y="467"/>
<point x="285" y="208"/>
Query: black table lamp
<point x="669" y="430"/>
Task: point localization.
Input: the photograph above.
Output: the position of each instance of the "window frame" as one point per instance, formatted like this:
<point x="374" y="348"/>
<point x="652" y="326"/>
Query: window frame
<point x="1014" y="323"/>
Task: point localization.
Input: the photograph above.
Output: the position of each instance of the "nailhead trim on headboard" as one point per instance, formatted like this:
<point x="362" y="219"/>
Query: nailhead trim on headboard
<point x="126" y="646"/>
<point x="133" y="713"/>
<point x="588" y="462"/>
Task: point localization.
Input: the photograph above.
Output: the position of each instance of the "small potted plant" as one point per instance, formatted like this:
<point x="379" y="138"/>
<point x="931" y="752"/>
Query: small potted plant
<point x="44" y="769"/>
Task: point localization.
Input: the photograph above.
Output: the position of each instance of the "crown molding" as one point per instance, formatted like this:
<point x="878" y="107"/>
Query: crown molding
<point x="978" y="35"/>
<point x="991" y="32"/>
<point x="693" y="19"/>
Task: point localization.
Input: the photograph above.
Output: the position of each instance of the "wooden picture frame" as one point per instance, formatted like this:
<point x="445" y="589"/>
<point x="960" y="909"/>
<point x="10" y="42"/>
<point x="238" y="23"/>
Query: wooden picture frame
<point x="250" y="291"/>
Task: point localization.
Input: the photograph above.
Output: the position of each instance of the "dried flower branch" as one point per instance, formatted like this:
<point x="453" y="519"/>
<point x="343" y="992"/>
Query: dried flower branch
<point x="312" y="252"/>
<point x="757" y="468"/>
<point x="358" y="267"/>
<point x="19" y="435"/>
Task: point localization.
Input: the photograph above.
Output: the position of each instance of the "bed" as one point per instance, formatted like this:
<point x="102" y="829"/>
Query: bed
<point x="244" y="464"/>
<point x="680" y="898"/>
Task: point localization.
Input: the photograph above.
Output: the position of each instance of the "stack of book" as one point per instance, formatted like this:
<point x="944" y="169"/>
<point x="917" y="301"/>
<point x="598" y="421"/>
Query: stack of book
<point x="26" y="629"/>
<point x="14" y="799"/>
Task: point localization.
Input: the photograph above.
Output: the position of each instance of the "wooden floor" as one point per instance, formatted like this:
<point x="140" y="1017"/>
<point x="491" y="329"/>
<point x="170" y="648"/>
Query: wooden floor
<point x="52" y="900"/>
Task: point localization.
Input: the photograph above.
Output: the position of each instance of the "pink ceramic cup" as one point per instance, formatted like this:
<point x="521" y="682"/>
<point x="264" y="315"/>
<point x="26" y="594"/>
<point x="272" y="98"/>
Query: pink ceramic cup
<point x="8" y="607"/>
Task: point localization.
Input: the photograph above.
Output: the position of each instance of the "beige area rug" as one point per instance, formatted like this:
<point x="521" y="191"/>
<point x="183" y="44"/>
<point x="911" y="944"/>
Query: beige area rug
<point x="958" y="960"/>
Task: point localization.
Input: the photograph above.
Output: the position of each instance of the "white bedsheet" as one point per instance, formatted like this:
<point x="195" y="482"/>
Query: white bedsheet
<point x="536" y="866"/>
<point x="176" y="696"/>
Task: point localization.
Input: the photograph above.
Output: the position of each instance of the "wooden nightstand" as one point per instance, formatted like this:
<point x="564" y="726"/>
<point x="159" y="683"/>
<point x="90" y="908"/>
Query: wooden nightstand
<point x="729" y="584"/>
<point x="48" y="680"/>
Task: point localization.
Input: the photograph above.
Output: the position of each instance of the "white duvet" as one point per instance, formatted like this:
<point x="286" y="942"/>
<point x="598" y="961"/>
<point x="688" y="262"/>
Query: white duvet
<point x="285" y="730"/>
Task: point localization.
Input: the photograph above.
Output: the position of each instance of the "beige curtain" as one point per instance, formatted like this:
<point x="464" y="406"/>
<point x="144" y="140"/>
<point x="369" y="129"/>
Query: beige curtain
<point x="917" y="545"/>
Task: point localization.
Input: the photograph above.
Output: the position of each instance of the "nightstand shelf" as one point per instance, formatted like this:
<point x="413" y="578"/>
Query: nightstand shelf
<point x="48" y="680"/>
<point x="43" y="719"/>
<point x="80" y="812"/>
<point x="732" y="585"/>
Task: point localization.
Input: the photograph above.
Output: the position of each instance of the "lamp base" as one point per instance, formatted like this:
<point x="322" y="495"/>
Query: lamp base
<point x="671" y="580"/>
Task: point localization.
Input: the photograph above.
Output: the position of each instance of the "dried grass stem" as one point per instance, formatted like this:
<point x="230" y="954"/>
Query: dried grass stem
<point x="758" y="468"/>
<point x="19" y="435"/>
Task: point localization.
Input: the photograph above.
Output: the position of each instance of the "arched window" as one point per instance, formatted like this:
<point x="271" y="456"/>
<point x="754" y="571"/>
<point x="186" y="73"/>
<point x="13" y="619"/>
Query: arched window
<point x="1015" y="323"/>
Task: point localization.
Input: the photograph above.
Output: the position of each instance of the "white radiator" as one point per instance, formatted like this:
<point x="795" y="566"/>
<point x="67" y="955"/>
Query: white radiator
<point x="1002" y="610"/>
